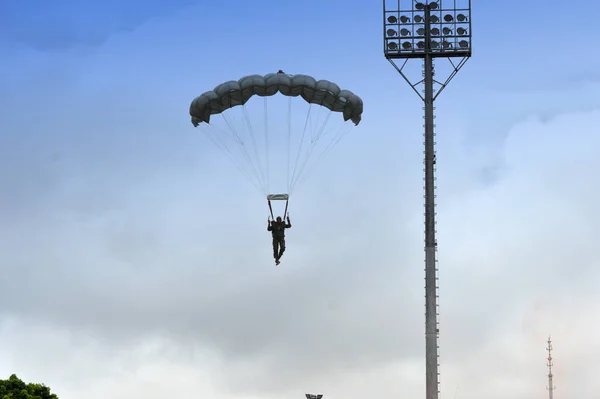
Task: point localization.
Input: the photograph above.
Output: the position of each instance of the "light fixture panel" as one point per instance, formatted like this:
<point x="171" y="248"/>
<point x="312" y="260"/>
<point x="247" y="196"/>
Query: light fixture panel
<point x="405" y="28"/>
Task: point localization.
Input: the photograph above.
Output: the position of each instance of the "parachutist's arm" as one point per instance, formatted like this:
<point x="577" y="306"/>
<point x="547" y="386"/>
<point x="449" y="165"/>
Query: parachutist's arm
<point x="288" y="225"/>
<point x="269" y="227"/>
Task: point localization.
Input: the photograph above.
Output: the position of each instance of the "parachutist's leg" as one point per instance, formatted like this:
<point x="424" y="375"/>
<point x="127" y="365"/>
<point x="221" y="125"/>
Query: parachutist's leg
<point x="275" y="248"/>
<point x="281" y="247"/>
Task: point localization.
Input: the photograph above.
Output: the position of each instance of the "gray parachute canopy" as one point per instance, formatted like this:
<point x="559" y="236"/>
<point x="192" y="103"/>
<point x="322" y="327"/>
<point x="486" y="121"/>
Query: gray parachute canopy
<point x="233" y="93"/>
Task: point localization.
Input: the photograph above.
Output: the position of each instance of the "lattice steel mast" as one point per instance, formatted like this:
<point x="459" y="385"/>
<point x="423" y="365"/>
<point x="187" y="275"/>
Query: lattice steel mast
<point x="551" y="386"/>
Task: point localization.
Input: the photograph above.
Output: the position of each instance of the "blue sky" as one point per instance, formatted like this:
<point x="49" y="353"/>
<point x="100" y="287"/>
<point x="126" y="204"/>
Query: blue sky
<point x="144" y="254"/>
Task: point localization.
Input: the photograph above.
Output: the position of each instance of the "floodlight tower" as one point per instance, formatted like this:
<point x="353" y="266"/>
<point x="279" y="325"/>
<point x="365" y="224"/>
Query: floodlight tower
<point x="551" y="386"/>
<point x="427" y="29"/>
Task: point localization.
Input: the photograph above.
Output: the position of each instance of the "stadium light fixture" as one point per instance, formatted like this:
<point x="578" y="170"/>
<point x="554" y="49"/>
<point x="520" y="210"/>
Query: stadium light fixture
<point x="409" y="19"/>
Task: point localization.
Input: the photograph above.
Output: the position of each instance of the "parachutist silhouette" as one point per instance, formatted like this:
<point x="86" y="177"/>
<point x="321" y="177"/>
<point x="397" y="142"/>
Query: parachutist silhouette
<point x="220" y="104"/>
<point x="277" y="229"/>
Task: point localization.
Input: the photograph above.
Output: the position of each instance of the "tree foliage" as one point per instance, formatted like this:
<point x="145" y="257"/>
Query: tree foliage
<point x="14" y="388"/>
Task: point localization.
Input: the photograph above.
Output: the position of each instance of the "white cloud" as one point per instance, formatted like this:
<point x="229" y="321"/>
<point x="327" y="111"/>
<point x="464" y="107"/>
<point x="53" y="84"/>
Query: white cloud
<point x="516" y="261"/>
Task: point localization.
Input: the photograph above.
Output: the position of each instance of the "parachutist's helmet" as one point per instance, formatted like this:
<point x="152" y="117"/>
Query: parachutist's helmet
<point x="279" y="218"/>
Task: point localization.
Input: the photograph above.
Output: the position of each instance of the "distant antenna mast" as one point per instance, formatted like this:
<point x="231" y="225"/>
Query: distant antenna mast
<point x="551" y="387"/>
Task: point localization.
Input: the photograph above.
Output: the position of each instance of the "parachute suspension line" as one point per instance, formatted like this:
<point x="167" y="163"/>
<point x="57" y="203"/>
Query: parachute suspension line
<point x="241" y="146"/>
<point x="339" y="137"/>
<point x="315" y="134"/>
<point x="315" y="123"/>
<point x="267" y="142"/>
<point x="313" y="142"/>
<point x="321" y="132"/>
<point x="208" y="129"/>
<point x="306" y="124"/>
<point x="271" y="209"/>
<point x="289" y="143"/>
<point x="227" y="151"/>
<point x="253" y="139"/>
<point x="241" y="143"/>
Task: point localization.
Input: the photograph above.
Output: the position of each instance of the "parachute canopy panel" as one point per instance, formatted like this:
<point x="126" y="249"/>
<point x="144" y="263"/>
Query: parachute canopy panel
<point x="234" y="93"/>
<point x="256" y="127"/>
<point x="278" y="197"/>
